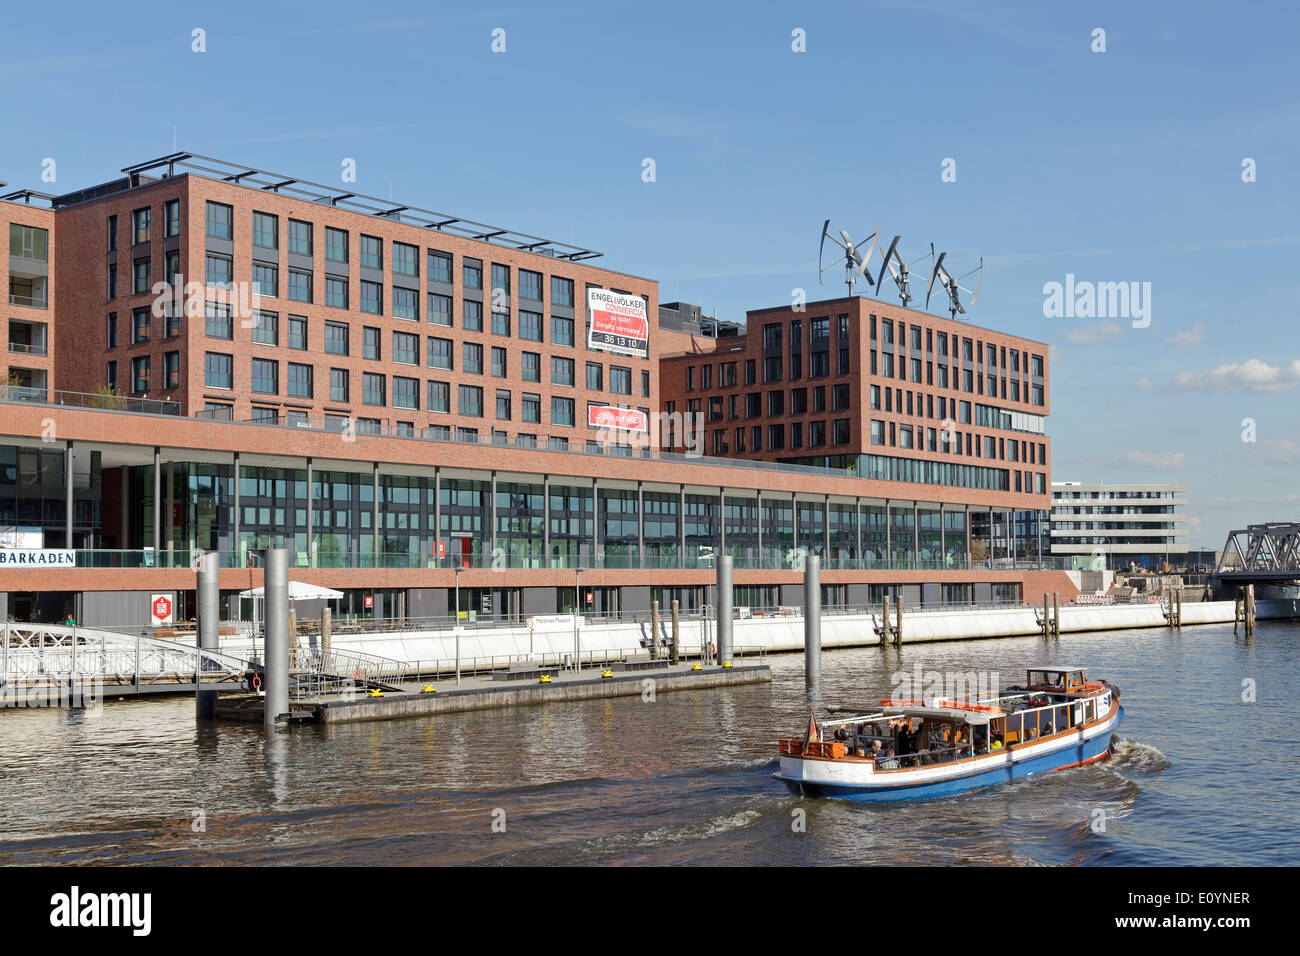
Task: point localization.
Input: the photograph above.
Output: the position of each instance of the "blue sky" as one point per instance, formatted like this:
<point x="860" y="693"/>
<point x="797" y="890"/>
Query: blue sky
<point x="1117" y="166"/>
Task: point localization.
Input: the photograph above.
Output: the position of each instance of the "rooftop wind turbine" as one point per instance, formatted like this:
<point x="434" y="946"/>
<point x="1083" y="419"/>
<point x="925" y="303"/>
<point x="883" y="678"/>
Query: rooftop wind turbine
<point x="952" y="286"/>
<point x="899" y="270"/>
<point x="855" y="263"/>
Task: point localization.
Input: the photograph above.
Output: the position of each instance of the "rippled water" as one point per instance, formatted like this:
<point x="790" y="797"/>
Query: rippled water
<point x="1198" y="776"/>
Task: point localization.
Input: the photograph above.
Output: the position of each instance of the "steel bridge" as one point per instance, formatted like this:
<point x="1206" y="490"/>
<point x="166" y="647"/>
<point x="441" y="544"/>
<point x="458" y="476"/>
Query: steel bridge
<point x="1261" y="552"/>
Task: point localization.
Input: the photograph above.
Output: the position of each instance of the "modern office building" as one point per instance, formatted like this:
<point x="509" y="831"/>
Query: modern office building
<point x="208" y="357"/>
<point x="1118" y="526"/>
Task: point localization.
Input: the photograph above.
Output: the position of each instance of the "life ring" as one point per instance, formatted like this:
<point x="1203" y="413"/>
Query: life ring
<point x="358" y="674"/>
<point x="257" y="682"/>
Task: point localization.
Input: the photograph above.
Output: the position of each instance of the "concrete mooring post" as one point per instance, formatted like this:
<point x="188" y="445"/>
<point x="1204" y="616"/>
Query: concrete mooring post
<point x="812" y="619"/>
<point x="326" y="628"/>
<point x="209" y="637"/>
<point x="677" y="634"/>
<point x="275" y="626"/>
<point x="725" y="641"/>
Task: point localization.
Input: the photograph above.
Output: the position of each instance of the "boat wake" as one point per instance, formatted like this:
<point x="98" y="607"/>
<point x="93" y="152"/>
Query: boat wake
<point x="1131" y="755"/>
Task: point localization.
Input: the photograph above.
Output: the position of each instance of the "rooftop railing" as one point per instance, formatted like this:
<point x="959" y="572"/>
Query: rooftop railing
<point x="92" y="400"/>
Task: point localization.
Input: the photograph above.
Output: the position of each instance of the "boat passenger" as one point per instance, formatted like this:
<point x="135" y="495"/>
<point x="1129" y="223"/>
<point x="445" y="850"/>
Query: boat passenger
<point x="889" y="763"/>
<point x="997" y="742"/>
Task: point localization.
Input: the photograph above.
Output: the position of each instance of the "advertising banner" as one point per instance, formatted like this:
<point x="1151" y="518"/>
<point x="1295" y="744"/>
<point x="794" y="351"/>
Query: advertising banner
<point x="618" y="323"/>
<point x="620" y="419"/>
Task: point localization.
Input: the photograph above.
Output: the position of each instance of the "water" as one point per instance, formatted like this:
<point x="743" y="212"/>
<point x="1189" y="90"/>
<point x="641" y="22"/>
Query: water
<point x="1199" y="777"/>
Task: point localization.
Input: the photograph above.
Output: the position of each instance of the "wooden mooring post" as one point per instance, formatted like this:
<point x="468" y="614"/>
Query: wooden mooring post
<point x="884" y="623"/>
<point x="1056" y="615"/>
<point x="898" y="623"/>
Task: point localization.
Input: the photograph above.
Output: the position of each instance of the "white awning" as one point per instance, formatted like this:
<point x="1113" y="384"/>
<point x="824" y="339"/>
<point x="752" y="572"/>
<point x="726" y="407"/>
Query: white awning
<point x="298" y="591"/>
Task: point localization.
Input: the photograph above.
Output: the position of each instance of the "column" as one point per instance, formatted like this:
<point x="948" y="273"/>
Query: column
<point x="889" y="537"/>
<point x="67" y="496"/>
<point x="492" y="516"/>
<point x="170" y="521"/>
<point x="311" y="556"/>
<point x="826" y="529"/>
<point x="157" y="505"/>
<point x="595" y="523"/>
<point x="234" y="545"/>
<point x="546" y="521"/>
<point x="722" y="520"/>
<point x="437" y="513"/>
<point x="640" y="526"/>
<point x="374" y="513"/>
<point x="681" y="523"/>
<point x="857" y="523"/>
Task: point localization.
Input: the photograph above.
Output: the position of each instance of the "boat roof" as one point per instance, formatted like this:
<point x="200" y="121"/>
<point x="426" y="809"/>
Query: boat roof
<point x="1054" y="668"/>
<point x="939" y="713"/>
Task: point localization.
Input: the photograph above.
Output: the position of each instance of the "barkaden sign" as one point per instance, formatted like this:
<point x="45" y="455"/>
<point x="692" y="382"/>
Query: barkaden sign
<point x="618" y="323"/>
<point x="620" y="419"/>
<point x="37" y="558"/>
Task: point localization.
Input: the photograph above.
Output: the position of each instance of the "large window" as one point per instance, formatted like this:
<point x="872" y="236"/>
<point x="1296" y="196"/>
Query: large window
<point x="530" y="366"/>
<point x="620" y="380"/>
<point x="530" y="285"/>
<point x="336" y="244"/>
<point x="370" y="347"/>
<point x="218" y="370"/>
<point x="336" y="292"/>
<point x="266" y="230"/>
<point x="171" y="220"/>
<point x="439" y="266"/>
<point x="439" y="353"/>
<point x="372" y="297"/>
<point x="472" y="358"/>
<point x="339" y="385"/>
<point x="406" y="348"/>
<point x="561" y="291"/>
<point x="217" y="321"/>
<point x="372" y="252"/>
<point x="532" y="407"/>
<point x="218" y="270"/>
<point x="266" y="376"/>
<point x="472" y="316"/>
<point x="472" y="273"/>
<point x="500" y="323"/>
<point x="500" y="278"/>
<point x="470" y="401"/>
<point x="300" y="380"/>
<point x="439" y="309"/>
<point x="299" y="285"/>
<point x="219" y="221"/>
<point x="405" y="303"/>
<point x="561" y="330"/>
<point x="561" y="410"/>
<point x="498" y="362"/>
<point x="503" y="404"/>
<point x="266" y="279"/>
<point x="406" y="259"/>
<point x="140" y="325"/>
<point x="141" y="221"/>
<point x="406" y="392"/>
<point x="439" y="397"/>
<point x="373" y="387"/>
<point x="530" y="326"/>
<point x="336" y="338"/>
<point x="266" y="328"/>
<point x="140" y="374"/>
<point x="300" y="237"/>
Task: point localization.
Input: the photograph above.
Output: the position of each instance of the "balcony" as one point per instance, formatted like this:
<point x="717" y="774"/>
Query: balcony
<point x="28" y="338"/>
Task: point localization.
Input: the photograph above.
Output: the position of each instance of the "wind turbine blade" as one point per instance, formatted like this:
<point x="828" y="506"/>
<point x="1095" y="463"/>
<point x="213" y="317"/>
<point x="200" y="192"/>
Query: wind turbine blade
<point x="979" y="285"/>
<point x="867" y="258"/>
<point x="938" y="266"/>
<point x="848" y="240"/>
<point x="820" y="250"/>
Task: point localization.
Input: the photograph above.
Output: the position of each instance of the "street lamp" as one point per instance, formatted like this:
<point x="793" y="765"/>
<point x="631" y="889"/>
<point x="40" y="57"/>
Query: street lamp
<point x="456" y="626"/>
<point x="577" y="607"/>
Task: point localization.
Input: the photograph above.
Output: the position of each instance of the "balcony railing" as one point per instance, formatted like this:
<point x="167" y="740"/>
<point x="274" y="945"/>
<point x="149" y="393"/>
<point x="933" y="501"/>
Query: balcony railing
<point x="27" y="348"/>
<point x="94" y="400"/>
<point x="31" y="301"/>
<point x="768" y="559"/>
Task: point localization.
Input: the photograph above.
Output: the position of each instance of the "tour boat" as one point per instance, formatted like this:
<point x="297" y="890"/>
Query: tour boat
<point x="943" y="747"/>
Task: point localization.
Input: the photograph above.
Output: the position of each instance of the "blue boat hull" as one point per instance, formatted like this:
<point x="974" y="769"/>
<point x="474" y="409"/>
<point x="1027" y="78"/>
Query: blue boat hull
<point x="1069" y="755"/>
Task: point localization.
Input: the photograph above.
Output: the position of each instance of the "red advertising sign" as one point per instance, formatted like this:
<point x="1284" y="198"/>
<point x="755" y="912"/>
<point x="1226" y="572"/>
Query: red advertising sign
<point x="370" y="600"/>
<point x="442" y="549"/>
<point x="618" y="323"/>
<point x="160" y="606"/>
<point x="620" y="419"/>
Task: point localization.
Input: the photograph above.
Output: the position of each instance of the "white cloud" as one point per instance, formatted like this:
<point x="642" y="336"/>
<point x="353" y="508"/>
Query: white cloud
<point x="1187" y="339"/>
<point x="1097" y="332"/>
<point x="1252" y="375"/>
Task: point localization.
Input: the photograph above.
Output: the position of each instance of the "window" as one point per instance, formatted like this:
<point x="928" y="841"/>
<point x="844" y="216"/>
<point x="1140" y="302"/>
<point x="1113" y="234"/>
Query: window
<point x="500" y="323"/>
<point x="530" y="366"/>
<point x="266" y="230"/>
<point x="819" y="398"/>
<point x="110" y="331"/>
<point x="841" y="435"/>
<point x="561" y="371"/>
<point x="336" y="244"/>
<point x="439" y="353"/>
<point x="471" y="358"/>
<point x="266" y="376"/>
<point x="877" y="432"/>
<point x="562" y="293"/>
<point x="220" y="221"/>
<point x="530" y="326"/>
<point x="406" y="392"/>
<point x="561" y="411"/>
<point x="299" y="380"/>
<point x="172" y="267"/>
<point x="439" y="264"/>
<point x="140" y="325"/>
<point x="645" y="384"/>
<point x="620" y="380"/>
<point x="819" y="364"/>
<point x="266" y="279"/>
<point x="218" y="271"/>
<point x="171" y="221"/>
<point x="112" y="233"/>
<point x="372" y="252"/>
<point x="300" y="237"/>
<point x="503" y="405"/>
<point x="406" y="303"/>
<point x="406" y="259"/>
<point x="140" y="374"/>
<point x="472" y="316"/>
<point x="142" y="230"/>
<point x="140" y="276"/>
<point x="297" y="333"/>
<point x="336" y="292"/>
<point x="500" y="278"/>
<point x="595" y="376"/>
<point x="373" y="388"/>
<point x="439" y="397"/>
<point x="112" y="281"/>
<point x="498" y="362"/>
<point x="266" y="328"/>
<point x="561" y="329"/>
<point x="336" y="338"/>
<point x="530" y="285"/>
<point x="406" y="348"/>
<point x="299" y="285"/>
<point x="439" y="309"/>
<point x="472" y="273"/>
<point x="370" y="347"/>
<point x="469" y="401"/>
<point x="372" y="297"/>
<point x="171" y="369"/>
<point x="798" y="401"/>
<point x="840" y="397"/>
<point x="532" y="407"/>
<point x="339" y="385"/>
<point x="772" y="368"/>
<point x="218" y="324"/>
